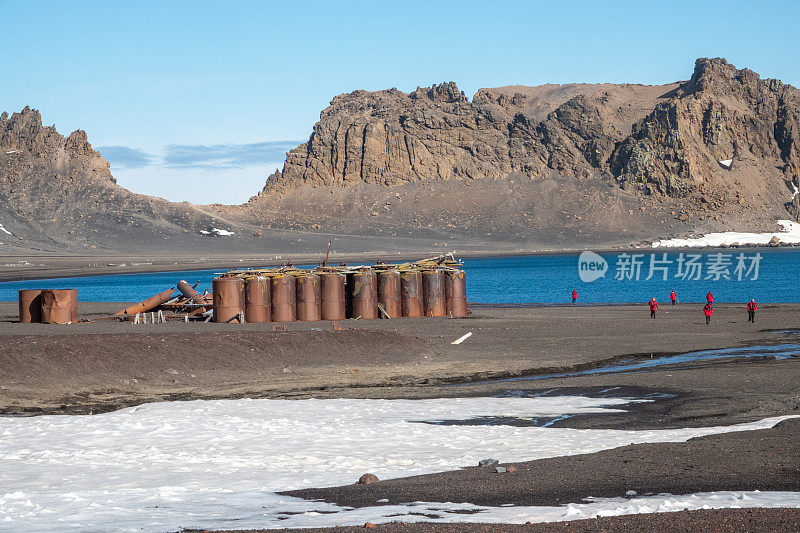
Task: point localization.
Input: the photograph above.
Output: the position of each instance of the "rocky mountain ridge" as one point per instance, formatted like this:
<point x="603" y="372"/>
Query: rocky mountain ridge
<point x="672" y="148"/>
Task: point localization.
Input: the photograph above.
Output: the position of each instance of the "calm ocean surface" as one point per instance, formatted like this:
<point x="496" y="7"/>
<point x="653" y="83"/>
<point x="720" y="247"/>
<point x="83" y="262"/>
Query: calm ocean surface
<point x="734" y="276"/>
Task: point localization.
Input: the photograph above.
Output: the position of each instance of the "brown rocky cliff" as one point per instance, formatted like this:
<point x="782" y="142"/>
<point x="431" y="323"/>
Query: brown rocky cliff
<point x="671" y="149"/>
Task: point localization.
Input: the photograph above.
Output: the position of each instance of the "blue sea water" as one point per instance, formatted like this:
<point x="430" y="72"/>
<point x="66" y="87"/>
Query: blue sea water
<point x="736" y="276"/>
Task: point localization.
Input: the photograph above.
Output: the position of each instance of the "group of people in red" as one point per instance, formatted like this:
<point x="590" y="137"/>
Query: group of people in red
<point x="708" y="309"/>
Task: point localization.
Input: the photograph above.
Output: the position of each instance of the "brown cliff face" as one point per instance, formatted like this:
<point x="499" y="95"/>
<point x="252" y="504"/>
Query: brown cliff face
<point x="662" y="141"/>
<point x="56" y="192"/>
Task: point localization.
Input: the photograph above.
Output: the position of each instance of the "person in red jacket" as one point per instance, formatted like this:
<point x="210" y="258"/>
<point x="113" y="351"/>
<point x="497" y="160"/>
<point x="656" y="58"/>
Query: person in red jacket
<point x="751" y="311"/>
<point x="708" y="309"/>
<point x="574" y="296"/>
<point x="710" y="297"/>
<point x="653" y="307"/>
<point x="673" y="297"/>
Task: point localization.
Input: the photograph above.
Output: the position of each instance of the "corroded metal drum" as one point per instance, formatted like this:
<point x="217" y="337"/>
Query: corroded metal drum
<point x="333" y="297"/>
<point x="228" y="298"/>
<point x="284" y="304"/>
<point x="30" y="305"/>
<point x="411" y="292"/>
<point x="257" y="306"/>
<point x="60" y="306"/>
<point x="456" y="292"/>
<point x="389" y="292"/>
<point x="189" y="292"/>
<point x="362" y="295"/>
<point x="433" y="293"/>
<point x="309" y="298"/>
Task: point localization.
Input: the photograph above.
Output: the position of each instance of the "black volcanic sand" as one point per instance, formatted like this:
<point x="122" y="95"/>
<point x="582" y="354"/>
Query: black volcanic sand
<point x="104" y="365"/>
<point x="703" y="520"/>
<point x="763" y="460"/>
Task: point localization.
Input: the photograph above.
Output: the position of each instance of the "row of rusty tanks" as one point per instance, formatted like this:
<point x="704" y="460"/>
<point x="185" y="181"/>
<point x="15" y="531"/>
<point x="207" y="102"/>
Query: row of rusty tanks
<point x="336" y="293"/>
<point x="48" y="306"/>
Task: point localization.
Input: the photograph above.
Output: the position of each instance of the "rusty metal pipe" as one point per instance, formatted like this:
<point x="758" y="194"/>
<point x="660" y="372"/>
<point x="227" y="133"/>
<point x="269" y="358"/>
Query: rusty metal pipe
<point x="257" y="302"/>
<point x="150" y="303"/>
<point x="284" y="303"/>
<point x="228" y="294"/>
<point x="411" y="291"/>
<point x="389" y="293"/>
<point x="30" y="305"/>
<point x="434" y="300"/>
<point x="456" y="292"/>
<point x="334" y="296"/>
<point x="190" y="293"/>
<point x="309" y="298"/>
<point x="60" y="306"/>
<point x="362" y="294"/>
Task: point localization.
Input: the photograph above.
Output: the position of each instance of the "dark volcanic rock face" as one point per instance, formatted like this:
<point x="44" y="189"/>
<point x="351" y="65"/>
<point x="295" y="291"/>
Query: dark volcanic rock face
<point x="673" y="149"/>
<point x="56" y="191"/>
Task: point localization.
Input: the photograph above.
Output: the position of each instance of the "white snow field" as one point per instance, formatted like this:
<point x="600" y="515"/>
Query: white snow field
<point x="789" y="234"/>
<point x="218" y="464"/>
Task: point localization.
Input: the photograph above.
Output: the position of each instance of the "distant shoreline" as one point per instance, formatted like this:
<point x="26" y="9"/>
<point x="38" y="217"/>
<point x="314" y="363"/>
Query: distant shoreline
<point x="81" y="266"/>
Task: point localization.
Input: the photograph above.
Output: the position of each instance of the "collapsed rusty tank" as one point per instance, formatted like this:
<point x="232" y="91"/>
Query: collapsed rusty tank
<point x="60" y="306"/>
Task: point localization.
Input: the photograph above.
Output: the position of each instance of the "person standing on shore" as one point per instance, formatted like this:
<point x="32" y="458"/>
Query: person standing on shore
<point x="653" y="307"/>
<point x="574" y="296"/>
<point x="673" y="297"/>
<point x="751" y="311"/>
<point x="708" y="309"/>
<point x="710" y="297"/>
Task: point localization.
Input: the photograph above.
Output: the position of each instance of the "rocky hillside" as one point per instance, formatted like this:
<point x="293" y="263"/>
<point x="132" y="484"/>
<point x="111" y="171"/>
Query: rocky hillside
<point x="57" y="193"/>
<point x="513" y="169"/>
<point x="666" y="148"/>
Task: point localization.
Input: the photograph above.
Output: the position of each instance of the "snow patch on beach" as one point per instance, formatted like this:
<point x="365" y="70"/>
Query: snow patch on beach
<point x="219" y="464"/>
<point x="217" y="232"/>
<point x="789" y="234"/>
<point x="3" y="229"/>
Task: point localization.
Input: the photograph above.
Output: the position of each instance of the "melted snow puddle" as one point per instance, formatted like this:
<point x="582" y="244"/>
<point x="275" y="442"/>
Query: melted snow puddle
<point x="218" y="464"/>
<point x="779" y="351"/>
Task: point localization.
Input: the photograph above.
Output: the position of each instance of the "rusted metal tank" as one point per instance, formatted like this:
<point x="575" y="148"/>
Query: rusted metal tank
<point x="456" y="292"/>
<point x="433" y="292"/>
<point x="257" y="303"/>
<point x="362" y="294"/>
<point x="389" y="292"/>
<point x="411" y="293"/>
<point x="60" y="306"/>
<point x="228" y="298"/>
<point x="284" y="304"/>
<point x="150" y="303"/>
<point x="190" y="293"/>
<point x="334" y="296"/>
<point x="309" y="297"/>
<point x="30" y="305"/>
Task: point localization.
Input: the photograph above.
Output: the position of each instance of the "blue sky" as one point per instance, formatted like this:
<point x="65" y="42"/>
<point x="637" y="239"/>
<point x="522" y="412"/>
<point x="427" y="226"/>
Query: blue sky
<point x="183" y="95"/>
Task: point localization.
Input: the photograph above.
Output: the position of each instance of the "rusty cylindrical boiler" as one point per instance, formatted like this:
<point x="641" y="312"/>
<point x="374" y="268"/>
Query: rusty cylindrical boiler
<point x="362" y="294"/>
<point x="257" y="302"/>
<point x="309" y="298"/>
<point x="284" y="305"/>
<point x="228" y="294"/>
<point x="389" y="295"/>
<point x="60" y="306"/>
<point x="456" y="292"/>
<point x="30" y="305"/>
<point x="334" y="296"/>
<point x="411" y="293"/>
<point x="150" y="303"/>
<point x="433" y="293"/>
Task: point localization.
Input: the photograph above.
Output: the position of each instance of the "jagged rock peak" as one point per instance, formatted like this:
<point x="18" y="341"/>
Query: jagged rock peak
<point x="446" y="92"/>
